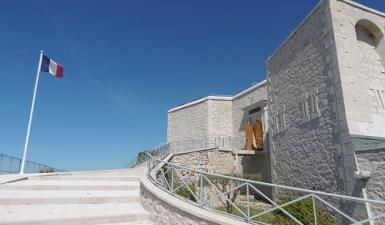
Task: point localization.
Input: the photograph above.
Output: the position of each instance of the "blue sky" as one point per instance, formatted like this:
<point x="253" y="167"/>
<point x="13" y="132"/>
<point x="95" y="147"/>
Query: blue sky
<point x="125" y="64"/>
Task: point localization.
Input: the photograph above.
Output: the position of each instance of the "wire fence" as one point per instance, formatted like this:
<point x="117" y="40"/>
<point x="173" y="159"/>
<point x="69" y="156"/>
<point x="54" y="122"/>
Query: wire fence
<point x="259" y="202"/>
<point x="10" y="164"/>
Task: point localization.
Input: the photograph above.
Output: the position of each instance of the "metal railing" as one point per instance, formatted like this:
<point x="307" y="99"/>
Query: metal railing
<point x="220" y="142"/>
<point x="253" y="201"/>
<point x="161" y="152"/>
<point x="10" y="164"/>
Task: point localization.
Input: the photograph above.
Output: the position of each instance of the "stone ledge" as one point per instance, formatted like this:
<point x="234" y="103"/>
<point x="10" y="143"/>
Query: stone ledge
<point x="249" y="152"/>
<point x="176" y="210"/>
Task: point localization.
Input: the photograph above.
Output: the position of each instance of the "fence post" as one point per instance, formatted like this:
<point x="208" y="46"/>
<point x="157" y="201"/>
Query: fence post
<point x="201" y="190"/>
<point x="172" y="179"/>
<point x="314" y="211"/>
<point x="10" y="165"/>
<point x="248" y="202"/>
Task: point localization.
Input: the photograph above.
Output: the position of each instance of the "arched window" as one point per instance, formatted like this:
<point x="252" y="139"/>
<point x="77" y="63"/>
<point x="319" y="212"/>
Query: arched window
<point x="371" y="46"/>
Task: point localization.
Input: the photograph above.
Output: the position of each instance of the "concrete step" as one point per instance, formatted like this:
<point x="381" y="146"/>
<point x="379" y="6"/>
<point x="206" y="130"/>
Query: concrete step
<point x="85" y="178"/>
<point x="73" y="214"/>
<point x="19" y="197"/>
<point x="70" y="185"/>
<point x="144" y="222"/>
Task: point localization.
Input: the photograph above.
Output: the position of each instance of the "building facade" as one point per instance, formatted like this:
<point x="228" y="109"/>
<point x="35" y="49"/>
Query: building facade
<point x="320" y="111"/>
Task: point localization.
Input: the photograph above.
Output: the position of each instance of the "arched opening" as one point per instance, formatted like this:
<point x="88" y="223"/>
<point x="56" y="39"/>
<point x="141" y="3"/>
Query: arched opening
<point x="370" y="40"/>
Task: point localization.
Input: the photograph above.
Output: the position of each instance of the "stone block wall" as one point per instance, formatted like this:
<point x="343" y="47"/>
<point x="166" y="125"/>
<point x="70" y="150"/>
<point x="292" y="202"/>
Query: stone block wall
<point x="188" y="123"/>
<point x="220" y="118"/>
<point x="163" y="213"/>
<point x="257" y="94"/>
<point x="208" y="117"/>
<point x="374" y="162"/>
<point x="305" y="125"/>
<point x="212" y="161"/>
<point x="361" y="62"/>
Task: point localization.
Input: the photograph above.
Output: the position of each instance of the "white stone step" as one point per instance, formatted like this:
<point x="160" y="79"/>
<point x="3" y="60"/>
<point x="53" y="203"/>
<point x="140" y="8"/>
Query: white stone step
<point x="85" y="178"/>
<point x="72" y="214"/>
<point x="144" y="222"/>
<point x="17" y="197"/>
<point x="70" y="185"/>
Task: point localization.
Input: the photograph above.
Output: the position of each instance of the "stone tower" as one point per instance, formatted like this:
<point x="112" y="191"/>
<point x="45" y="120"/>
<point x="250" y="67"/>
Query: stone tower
<point x="327" y="101"/>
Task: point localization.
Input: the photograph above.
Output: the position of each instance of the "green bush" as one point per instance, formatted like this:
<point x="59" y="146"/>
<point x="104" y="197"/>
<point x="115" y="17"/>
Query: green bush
<point x="47" y="170"/>
<point x="303" y="211"/>
<point x="185" y="193"/>
<point x="252" y="176"/>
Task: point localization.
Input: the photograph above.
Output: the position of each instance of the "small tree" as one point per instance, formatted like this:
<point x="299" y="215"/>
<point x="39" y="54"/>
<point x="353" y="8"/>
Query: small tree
<point x="227" y="187"/>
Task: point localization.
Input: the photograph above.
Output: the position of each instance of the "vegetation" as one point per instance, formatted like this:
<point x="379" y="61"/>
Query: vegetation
<point x="303" y="211"/>
<point x="142" y="156"/>
<point x="227" y="186"/>
<point x="47" y="170"/>
<point x="252" y="176"/>
<point x="186" y="193"/>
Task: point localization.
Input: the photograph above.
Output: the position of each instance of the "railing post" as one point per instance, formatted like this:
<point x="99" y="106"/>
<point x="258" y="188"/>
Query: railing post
<point x="10" y="165"/>
<point x="172" y="179"/>
<point x="248" y="202"/>
<point x="314" y="211"/>
<point x="201" y="190"/>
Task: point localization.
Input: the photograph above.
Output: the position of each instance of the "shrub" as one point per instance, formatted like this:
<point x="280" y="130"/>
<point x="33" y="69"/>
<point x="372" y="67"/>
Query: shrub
<point x="185" y="193"/>
<point x="303" y="211"/>
<point x="252" y="176"/>
<point x="47" y="170"/>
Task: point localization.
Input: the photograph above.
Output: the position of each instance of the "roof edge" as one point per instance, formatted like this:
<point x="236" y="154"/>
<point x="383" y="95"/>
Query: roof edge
<point x="211" y="97"/>
<point x="363" y="7"/>
<point x="294" y="31"/>
<point x="252" y="88"/>
<point x="217" y="97"/>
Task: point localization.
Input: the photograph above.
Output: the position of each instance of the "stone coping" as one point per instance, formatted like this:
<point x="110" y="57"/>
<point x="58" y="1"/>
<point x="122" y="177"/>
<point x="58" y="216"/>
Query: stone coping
<point x="249" y="152"/>
<point x="186" y="208"/>
<point x="219" y="98"/>
<point x="235" y="151"/>
<point x="363" y="7"/>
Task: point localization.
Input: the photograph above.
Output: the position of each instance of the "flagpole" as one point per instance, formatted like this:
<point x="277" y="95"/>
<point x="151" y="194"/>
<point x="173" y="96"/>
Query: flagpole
<point x="31" y="114"/>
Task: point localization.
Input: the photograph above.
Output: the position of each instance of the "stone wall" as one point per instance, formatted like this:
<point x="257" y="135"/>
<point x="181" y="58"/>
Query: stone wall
<point x="361" y="65"/>
<point x="165" y="214"/>
<point x="247" y="101"/>
<point x="220" y="118"/>
<point x="208" y="117"/>
<point x="188" y="123"/>
<point x="374" y="162"/>
<point x="212" y="161"/>
<point x="303" y="117"/>
<point x="170" y="210"/>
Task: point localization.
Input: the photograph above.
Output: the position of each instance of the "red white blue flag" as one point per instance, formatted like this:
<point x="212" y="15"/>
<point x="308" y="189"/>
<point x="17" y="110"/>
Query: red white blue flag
<point x="50" y="66"/>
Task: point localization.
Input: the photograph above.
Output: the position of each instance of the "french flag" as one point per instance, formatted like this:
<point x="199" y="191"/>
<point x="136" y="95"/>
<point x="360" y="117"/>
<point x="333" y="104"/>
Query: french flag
<point x="50" y="66"/>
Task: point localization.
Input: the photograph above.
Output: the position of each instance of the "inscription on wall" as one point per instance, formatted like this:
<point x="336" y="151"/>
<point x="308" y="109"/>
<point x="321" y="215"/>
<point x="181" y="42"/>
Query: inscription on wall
<point x="377" y="97"/>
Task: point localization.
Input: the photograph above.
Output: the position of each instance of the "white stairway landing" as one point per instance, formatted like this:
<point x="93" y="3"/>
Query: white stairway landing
<point x="88" y="198"/>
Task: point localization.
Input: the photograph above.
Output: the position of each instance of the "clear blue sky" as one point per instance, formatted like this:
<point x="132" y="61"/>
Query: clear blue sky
<point x="125" y="64"/>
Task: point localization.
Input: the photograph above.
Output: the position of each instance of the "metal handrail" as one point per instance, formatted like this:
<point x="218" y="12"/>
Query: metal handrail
<point x="165" y="175"/>
<point x="214" y="141"/>
<point x="10" y="164"/>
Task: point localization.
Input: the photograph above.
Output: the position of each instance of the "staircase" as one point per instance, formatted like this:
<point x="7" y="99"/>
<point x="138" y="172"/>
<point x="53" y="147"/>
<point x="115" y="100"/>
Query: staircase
<point x="89" y="198"/>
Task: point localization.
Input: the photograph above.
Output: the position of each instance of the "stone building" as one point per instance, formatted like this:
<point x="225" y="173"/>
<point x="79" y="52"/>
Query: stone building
<point x="321" y="108"/>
